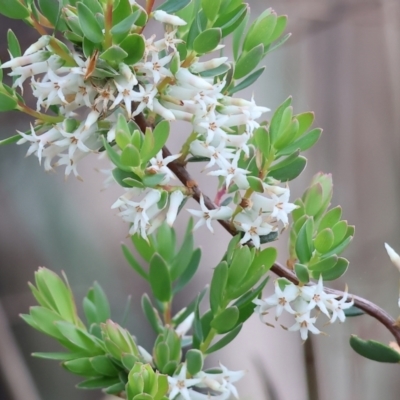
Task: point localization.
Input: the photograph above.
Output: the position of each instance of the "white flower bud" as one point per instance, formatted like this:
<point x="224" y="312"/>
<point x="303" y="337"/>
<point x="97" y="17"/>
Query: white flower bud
<point x="394" y="257"/>
<point x="211" y="64"/>
<point x="24" y="60"/>
<point x="42" y="42"/>
<point x="175" y="200"/>
<point x="183" y="75"/>
<point x="161" y="110"/>
<point x="166" y="18"/>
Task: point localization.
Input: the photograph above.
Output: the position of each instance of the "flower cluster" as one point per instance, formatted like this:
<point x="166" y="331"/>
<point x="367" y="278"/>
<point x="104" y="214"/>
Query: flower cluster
<point x="221" y="384"/>
<point x="300" y="301"/>
<point x="88" y="102"/>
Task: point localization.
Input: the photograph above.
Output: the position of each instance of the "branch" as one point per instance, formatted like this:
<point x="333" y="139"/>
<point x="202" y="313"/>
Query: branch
<point x="365" y="305"/>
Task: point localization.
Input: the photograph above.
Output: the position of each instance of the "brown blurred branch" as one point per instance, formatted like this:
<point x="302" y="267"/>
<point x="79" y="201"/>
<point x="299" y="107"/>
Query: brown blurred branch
<point x="365" y="305"/>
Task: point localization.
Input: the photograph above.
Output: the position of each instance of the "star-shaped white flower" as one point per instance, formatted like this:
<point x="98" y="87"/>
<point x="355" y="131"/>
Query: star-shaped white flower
<point x="233" y="174"/>
<point x="206" y="215"/>
<point x="281" y="299"/>
<point x="179" y="384"/>
<point x="253" y="229"/>
<point x="305" y="323"/>
<point x="316" y="297"/>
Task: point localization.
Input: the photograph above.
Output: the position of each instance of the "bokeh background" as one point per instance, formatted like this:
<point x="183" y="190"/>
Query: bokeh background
<point x="343" y="62"/>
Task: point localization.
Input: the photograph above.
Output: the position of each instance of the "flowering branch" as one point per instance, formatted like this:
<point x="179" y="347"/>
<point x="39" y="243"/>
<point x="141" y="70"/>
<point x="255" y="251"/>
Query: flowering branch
<point x="365" y="305"/>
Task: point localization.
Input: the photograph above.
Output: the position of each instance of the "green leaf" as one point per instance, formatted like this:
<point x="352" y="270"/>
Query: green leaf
<point x="248" y="81"/>
<point x="51" y="10"/>
<point x="239" y="266"/>
<point x="277" y="119"/>
<point x="99" y="299"/>
<point x="277" y="44"/>
<point x="226" y="320"/>
<point x="248" y="61"/>
<point x="58" y="356"/>
<point x="127" y="179"/>
<point x="172" y="6"/>
<point x="89" y="24"/>
<point x="339" y="232"/>
<point x="302" y="273"/>
<point x="114" y="54"/>
<point x="324" y="240"/>
<point x="334" y="273"/>
<point x="218" y="285"/>
<point x="330" y="218"/>
<point x="189" y="272"/>
<point x="160" y="279"/>
<point x="154" y="141"/>
<point x="124" y="26"/>
<point x="133" y="263"/>
<point x="151" y="314"/>
<point x="7" y="103"/>
<point x="144" y="248"/>
<point x="166" y="243"/>
<point x="313" y="199"/>
<point x="302" y="144"/>
<point x="373" y="350"/>
<point x="194" y="361"/>
<point x="305" y="121"/>
<point x="13" y="44"/>
<point x="98" y="383"/>
<point x="184" y="255"/>
<point x="324" y="265"/>
<point x="231" y="21"/>
<point x="130" y="156"/>
<point x="304" y="241"/>
<point x="238" y="36"/>
<point x="134" y="45"/>
<point x="153" y="180"/>
<point x="44" y="319"/>
<point x="289" y="172"/>
<point x="256" y="184"/>
<point x="80" y="366"/>
<point x="353" y="311"/>
<point x="207" y="41"/>
<point x="80" y="338"/>
<point x="260" y="32"/>
<point x="10" y="140"/>
<point x="211" y="8"/>
<point x="14" y="9"/>
<point x="225" y="340"/>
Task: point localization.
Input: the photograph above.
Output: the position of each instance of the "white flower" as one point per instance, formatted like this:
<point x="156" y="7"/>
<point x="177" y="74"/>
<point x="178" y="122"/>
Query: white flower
<point x="155" y="67"/>
<point x="305" y="323"/>
<point x="252" y="229"/>
<point x="233" y="174"/>
<point x="337" y="307"/>
<point x="184" y="326"/>
<point x="175" y="200"/>
<point x="139" y="213"/>
<point x="217" y="155"/>
<point x="179" y="384"/>
<point x="206" y="215"/>
<point x="280" y="207"/>
<point x="159" y="165"/>
<point x="280" y="299"/>
<point x="228" y="377"/>
<point x="162" y="16"/>
<point x="316" y="296"/>
<point x="394" y="257"/>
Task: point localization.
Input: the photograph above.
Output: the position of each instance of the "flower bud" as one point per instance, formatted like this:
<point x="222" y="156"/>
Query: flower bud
<point x="166" y="18"/>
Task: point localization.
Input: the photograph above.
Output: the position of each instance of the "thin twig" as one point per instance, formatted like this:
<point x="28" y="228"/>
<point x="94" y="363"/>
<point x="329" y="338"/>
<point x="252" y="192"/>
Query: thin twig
<point x="365" y="305"/>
